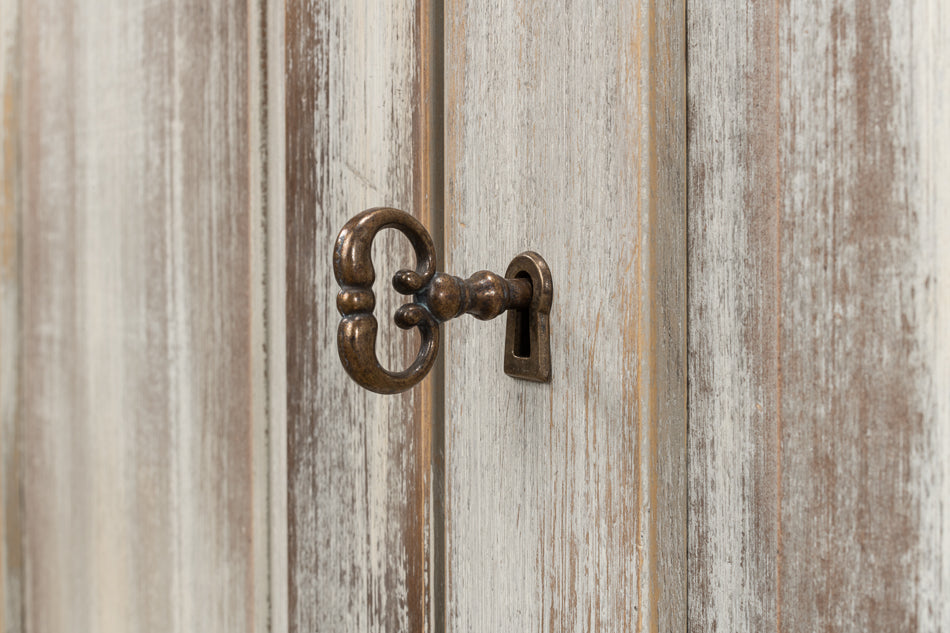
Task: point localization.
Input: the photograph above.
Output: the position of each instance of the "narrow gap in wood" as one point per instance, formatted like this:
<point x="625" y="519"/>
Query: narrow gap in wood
<point x="684" y="95"/>
<point x="434" y="56"/>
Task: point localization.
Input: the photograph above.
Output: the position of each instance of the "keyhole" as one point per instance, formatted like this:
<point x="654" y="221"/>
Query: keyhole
<point x="522" y="327"/>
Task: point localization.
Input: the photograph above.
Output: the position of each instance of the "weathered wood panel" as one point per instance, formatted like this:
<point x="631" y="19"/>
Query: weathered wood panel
<point x="142" y="495"/>
<point x="11" y="559"/>
<point x="819" y="365"/>
<point x="358" y="126"/>
<point x="565" y="134"/>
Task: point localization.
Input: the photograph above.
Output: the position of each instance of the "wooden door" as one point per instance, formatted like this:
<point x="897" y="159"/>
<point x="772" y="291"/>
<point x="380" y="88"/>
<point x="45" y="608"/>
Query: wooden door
<point x="742" y="206"/>
<point x="477" y="502"/>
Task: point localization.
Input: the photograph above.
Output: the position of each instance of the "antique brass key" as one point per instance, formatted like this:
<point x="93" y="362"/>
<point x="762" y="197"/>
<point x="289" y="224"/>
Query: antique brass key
<point x="525" y="292"/>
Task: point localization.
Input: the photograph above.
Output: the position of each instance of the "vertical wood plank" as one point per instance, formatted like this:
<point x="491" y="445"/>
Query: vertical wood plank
<point x="565" y="134"/>
<point x="819" y="369"/>
<point x="11" y="553"/>
<point x="359" y="127"/>
<point x="274" y="144"/>
<point x="734" y="175"/>
<point x="141" y="324"/>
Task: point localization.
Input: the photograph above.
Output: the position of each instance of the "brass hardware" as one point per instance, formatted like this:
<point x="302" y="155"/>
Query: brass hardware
<point x="527" y="337"/>
<point x="525" y="292"/>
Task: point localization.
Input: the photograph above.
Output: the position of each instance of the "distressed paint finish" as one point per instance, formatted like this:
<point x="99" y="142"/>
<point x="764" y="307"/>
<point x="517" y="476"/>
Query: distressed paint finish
<point x="142" y="436"/>
<point x="358" y="134"/>
<point x="819" y="358"/>
<point x="565" y="134"/>
<point x="11" y="559"/>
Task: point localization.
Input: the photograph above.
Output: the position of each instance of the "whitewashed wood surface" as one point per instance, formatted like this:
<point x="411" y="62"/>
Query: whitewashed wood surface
<point x="358" y="123"/>
<point x="819" y="355"/>
<point x="142" y="413"/>
<point x="147" y="370"/>
<point x="565" y="134"/>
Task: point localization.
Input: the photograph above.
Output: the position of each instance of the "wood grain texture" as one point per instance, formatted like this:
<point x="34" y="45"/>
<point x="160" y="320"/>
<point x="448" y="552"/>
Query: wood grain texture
<point x="144" y="507"/>
<point x="11" y="551"/>
<point x="274" y="196"/>
<point x="819" y="368"/>
<point x="358" y="134"/>
<point x="565" y="134"/>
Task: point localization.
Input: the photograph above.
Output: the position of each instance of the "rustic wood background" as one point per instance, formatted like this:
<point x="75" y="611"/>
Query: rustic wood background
<point x="819" y="351"/>
<point x="181" y="449"/>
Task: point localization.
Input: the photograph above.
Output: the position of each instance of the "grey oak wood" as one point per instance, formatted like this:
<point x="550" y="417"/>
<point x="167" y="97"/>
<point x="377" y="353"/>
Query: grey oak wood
<point x="144" y="453"/>
<point x="358" y="120"/>
<point x="565" y="134"/>
<point x="11" y="550"/>
<point x="819" y="357"/>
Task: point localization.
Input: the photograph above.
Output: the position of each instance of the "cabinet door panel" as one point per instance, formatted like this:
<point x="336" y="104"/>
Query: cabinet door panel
<point x="565" y="134"/>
